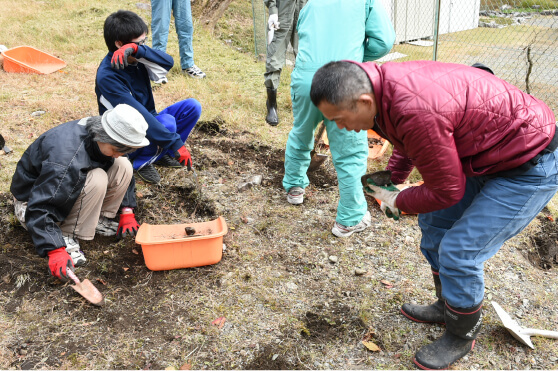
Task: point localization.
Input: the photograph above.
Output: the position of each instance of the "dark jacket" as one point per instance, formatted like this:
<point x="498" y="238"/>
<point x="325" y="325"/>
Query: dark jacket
<point x="132" y="86"/>
<point x="453" y="121"/>
<point x="50" y="176"/>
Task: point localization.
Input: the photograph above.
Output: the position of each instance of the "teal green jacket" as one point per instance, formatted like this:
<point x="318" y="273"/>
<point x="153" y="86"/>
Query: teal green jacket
<point x="330" y="30"/>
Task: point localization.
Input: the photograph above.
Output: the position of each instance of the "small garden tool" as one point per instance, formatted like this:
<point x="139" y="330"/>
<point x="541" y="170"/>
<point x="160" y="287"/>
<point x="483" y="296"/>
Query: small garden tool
<point x="521" y="333"/>
<point x="86" y="289"/>
<point x="317" y="159"/>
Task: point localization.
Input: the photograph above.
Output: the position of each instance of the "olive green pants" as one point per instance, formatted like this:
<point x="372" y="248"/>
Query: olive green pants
<point x="277" y="49"/>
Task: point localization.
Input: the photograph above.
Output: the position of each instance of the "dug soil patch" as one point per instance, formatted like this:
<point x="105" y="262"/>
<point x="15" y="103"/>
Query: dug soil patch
<point x="544" y="253"/>
<point x="326" y="323"/>
<point x="275" y="301"/>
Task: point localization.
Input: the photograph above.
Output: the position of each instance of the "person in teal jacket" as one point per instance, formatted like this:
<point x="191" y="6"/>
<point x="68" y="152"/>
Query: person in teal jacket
<point x="331" y="30"/>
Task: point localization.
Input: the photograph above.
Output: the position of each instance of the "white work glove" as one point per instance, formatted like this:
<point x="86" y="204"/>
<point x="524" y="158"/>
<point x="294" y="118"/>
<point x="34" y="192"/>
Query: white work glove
<point x="273" y="22"/>
<point x="387" y="195"/>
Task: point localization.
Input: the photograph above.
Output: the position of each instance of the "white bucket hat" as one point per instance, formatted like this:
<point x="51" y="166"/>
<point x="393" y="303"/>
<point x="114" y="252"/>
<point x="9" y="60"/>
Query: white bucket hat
<point x="125" y="125"/>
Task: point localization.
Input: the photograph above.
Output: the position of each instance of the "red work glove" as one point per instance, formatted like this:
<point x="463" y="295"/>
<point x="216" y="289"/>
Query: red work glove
<point x="58" y="262"/>
<point x="127" y="225"/>
<point x="183" y="156"/>
<point x="119" y="59"/>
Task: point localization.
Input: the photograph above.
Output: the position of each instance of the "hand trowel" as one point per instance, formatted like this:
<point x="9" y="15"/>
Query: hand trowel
<point x="86" y="289"/>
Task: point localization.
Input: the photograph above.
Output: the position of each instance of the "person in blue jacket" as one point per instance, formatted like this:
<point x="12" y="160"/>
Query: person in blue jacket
<point x="357" y="30"/>
<point x="125" y="75"/>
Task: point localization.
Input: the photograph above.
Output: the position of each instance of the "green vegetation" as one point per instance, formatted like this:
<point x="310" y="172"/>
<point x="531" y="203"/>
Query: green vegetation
<point x="497" y="20"/>
<point x="544" y="4"/>
<point x="519" y="5"/>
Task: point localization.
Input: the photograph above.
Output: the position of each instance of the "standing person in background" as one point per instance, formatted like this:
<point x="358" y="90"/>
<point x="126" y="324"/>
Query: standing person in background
<point x="160" y="21"/>
<point x="357" y="30"/>
<point x="125" y="75"/>
<point x="283" y="15"/>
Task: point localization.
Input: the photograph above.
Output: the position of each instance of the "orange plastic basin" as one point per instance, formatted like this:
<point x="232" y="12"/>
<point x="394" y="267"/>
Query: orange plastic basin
<point x="26" y="59"/>
<point x="168" y="247"/>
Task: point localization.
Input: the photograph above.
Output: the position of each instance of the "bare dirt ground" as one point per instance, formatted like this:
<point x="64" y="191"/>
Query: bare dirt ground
<point x="287" y="302"/>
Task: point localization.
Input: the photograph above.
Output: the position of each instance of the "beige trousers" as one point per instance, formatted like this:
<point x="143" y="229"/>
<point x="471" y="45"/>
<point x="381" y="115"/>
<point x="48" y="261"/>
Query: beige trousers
<point x="102" y="195"/>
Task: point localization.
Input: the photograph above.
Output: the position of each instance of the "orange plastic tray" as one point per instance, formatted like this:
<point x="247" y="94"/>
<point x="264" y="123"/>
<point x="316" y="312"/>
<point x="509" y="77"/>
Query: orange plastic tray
<point x="167" y="247"/>
<point x="375" y="150"/>
<point x="26" y="59"/>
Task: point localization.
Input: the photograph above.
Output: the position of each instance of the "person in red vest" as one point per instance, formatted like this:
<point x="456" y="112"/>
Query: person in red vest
<point x="486" y="152"/>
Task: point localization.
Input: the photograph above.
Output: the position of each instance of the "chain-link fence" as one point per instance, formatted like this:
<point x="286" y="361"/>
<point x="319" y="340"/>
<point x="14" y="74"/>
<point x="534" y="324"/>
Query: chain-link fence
<point x="259" y="12"/>
<point x="517" y="39"/>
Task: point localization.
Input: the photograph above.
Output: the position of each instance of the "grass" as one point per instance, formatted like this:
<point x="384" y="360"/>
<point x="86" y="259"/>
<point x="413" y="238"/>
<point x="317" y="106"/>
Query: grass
<point x="236" y="29"/>
<point x="497" y="20"/>
<point x="519" y="5"/>
<point x="546" y="4"/>
<point x="232" y="91"/>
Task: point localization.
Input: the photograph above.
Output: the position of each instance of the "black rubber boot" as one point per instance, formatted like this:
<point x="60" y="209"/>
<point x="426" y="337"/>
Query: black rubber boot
<point x="462" y="328"/>
<point x="271" y="103"/>
<point x="433" y="313"/>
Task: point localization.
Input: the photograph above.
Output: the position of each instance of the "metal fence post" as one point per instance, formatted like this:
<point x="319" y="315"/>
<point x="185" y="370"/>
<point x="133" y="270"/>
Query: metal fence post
<point x="436" y="29"/>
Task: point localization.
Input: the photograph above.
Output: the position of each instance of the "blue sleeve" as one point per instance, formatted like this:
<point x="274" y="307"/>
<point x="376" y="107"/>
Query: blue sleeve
<point x="161" y="58"/>
<point x="116" y="91"/>
<point x="380" y="34"/>
<point x="129" y="199"/>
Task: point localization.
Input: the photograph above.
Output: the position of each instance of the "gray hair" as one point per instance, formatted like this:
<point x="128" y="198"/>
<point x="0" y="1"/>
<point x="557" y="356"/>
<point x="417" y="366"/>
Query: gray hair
<point x="95" y="128"/>
<point x="340" y="84"/>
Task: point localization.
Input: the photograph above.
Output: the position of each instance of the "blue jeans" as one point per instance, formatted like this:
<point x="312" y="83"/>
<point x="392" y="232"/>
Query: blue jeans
<point x="349" y="151"/>
<point x="179" y="118"/>
<point x="458" y="240"/>
<point x="160" y="21"/>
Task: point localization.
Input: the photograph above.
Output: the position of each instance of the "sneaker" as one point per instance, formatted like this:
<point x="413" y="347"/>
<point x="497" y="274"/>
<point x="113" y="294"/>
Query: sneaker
<point x="295" y="196"/>
<point x="339" y="230"/>
<point x="194" y="72"/>
<point x="149" y="174"/>
<point x="106" y="227"/>
<point x="162" y="80"/>
<point x="167" y="161"/>
<point x="72" y="248"/>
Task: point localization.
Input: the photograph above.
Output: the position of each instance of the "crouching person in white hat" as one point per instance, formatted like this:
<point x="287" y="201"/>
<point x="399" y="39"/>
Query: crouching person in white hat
<point x="71" y="182"/>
